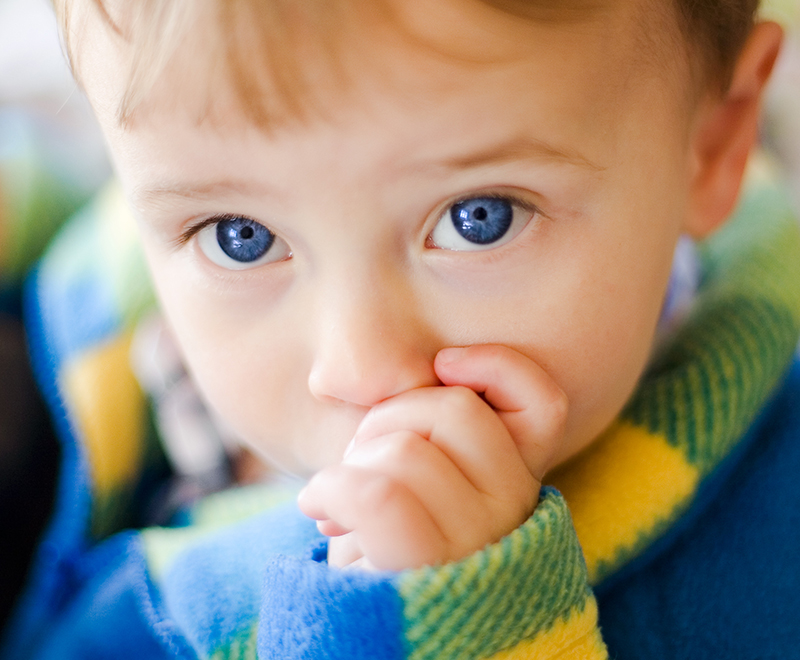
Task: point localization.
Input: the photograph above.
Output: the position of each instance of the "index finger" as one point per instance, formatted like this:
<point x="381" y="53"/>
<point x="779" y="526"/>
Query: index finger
<point x="528" y="401"/>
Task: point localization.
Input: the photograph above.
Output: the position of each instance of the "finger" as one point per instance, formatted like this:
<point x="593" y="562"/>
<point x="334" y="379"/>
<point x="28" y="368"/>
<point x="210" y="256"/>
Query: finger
<point x="331" y="528"/>
<point x="421" y="466"/>
<point x="466" y="517"/>
<point x="390" y="525"/>
<point x="527" y="400"/>
<point x="344" y="551"/>
<point x="463" y="427"/>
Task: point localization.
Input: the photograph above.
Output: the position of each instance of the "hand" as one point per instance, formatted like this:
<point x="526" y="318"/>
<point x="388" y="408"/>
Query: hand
<point x="435" y="474"/>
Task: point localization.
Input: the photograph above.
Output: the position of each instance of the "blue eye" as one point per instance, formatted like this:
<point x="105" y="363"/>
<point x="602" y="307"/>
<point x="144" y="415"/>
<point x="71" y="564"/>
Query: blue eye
<point x="479" y="223"/>
<point x="243" y="239"/>
<point x="482" y="220"/>
<point x="237" y="243"/>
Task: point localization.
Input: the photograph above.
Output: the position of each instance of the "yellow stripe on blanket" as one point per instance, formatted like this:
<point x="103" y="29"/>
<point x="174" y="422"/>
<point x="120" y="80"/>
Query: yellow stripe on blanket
<point x="109" y="406"/>
<point x="575" y="637"/>
<point x="621" y="491"/>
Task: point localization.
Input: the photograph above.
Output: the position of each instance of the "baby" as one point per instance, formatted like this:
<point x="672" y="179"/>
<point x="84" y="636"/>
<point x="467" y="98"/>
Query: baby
<point x="416" y="252"/>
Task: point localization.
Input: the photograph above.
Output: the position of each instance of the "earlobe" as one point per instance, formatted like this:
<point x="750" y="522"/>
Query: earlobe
<point x="726" y="131"/>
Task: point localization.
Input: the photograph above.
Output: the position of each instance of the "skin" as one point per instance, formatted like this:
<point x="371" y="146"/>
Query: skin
<point x="426" y="390"/>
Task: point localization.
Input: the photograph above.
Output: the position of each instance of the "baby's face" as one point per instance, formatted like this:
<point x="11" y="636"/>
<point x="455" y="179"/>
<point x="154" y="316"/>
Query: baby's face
<point x="521" y="184"/>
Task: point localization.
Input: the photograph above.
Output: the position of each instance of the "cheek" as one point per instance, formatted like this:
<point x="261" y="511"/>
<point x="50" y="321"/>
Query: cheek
<point x="246" y="382"/>
<point x="236" y="372"/>
<point x="589" y="322"/>
<point x="603" y="350"/>
<point x="252" y="367"/>
<point x="248" y="371"/>
<point x="257" y="383"/>
<point x="607" y="339"/>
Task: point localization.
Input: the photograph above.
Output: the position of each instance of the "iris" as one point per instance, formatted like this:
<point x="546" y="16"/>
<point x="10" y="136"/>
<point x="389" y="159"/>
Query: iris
<point x="244" y="240"/>
<point x="482" y="220"/>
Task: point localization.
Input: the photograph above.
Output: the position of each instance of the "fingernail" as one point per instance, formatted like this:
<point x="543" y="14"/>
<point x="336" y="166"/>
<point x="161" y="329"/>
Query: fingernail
<point x="448" y="355"/>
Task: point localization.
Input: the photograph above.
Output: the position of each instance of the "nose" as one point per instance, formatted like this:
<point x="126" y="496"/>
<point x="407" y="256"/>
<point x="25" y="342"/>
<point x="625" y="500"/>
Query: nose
<point x="371" y="343"/>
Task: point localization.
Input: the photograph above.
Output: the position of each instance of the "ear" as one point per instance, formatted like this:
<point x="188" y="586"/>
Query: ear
<point x="725" y="132"/>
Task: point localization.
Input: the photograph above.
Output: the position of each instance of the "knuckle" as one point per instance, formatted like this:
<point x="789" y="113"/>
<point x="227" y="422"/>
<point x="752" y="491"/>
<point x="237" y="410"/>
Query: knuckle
<point x="385" y="452"/>
<point x="482" y="351"/>
<point x="529" y="497"/>
<point x="458" y="401"/>
<point x="492" y="359"/>
<point x="522" y="495"/>
<point x="400" y="448"/>
<point x="557" y="405"/>
<point x="496" y="351"/>
<point x="511" y="514"/>
<point x="380" y="494"/>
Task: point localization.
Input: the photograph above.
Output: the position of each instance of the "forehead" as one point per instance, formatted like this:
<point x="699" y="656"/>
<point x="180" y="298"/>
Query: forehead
<point x="283" y="61"/>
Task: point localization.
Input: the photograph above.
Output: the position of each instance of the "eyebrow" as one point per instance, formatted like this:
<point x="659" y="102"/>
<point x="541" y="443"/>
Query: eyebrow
<point x="512" y="150"/>
<point x="521" y="149"/>
<point x="201" y="191"/>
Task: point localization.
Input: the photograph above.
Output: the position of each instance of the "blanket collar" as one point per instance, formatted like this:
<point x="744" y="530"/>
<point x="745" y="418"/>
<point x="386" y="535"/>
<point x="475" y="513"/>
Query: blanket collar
<point x="702" y="392"/>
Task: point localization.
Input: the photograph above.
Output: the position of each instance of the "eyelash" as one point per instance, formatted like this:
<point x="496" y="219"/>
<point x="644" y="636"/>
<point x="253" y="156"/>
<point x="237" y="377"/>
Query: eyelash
<point x="516" y="201"/>
<point x="190" y="232"/>
<point x="197" y="227"/>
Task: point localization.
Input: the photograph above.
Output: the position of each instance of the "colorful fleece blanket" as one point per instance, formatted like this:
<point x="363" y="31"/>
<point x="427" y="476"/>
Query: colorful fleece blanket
<point x="242" y="574"/>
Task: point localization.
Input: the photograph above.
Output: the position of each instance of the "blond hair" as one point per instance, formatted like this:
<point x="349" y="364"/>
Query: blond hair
<point x="713" y="31"/>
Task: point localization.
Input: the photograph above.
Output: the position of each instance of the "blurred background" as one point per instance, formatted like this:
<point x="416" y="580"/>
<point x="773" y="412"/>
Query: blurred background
<point x="781" y="131"/>
<point x="52" y="160"/>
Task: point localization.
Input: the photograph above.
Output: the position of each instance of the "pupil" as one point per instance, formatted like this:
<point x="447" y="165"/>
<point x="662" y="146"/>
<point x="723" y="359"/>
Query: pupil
<point x="482" y="220"/>
<point x="247" y="232"/>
